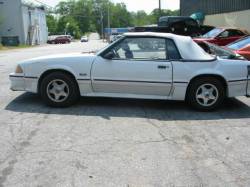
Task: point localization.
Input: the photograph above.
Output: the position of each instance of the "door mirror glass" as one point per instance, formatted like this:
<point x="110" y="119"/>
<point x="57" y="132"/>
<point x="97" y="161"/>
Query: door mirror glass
<point x="109" y="55"/>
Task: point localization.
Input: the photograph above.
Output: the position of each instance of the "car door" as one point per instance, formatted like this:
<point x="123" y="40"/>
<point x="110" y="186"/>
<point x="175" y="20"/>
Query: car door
<point x="138" y="65"/>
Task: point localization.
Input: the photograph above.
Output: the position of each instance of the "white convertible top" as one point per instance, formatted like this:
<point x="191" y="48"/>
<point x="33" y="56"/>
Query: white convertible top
<point x="189" y="50"/>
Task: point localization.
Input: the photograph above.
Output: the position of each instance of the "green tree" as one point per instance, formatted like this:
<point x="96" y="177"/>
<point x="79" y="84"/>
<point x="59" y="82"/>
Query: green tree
<point x="51" y="24"/>
<point x="81" y="16"/>
<point x="68" y="25"/>
<point x="141" y="18"/>
<point x="154" y="16"/>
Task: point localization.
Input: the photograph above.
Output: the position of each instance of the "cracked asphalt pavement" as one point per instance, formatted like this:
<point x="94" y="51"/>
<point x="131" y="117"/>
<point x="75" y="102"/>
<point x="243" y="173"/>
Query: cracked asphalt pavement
<point x="117" y="142"/>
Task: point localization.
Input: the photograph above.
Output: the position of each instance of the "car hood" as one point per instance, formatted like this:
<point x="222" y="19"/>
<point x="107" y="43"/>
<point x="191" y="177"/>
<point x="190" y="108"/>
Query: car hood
<point x="61" y="58"/>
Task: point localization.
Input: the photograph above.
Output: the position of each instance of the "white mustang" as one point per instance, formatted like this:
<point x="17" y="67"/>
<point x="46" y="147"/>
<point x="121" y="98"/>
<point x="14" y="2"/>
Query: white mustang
<point x="138" y="65"/>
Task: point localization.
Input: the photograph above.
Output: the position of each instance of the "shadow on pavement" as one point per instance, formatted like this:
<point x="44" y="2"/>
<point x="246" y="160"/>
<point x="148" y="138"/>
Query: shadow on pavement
<point x="107" y="108"/>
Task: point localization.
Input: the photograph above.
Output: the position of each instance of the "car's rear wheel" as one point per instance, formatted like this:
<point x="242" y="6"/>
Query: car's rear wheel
<point x="206" y="94"/>
<point x="59" y="89"/>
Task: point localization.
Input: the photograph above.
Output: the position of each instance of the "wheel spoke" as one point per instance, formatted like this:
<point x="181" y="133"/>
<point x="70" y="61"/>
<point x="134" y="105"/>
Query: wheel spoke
<point x="200" y="96"/>
<point x="57" y="96"/>
<point x="203" y="89"/>
<point x="52" y="91"/>
<point x="55" y="84"/>
<point x="210" y="90"/>
<point x="63" y="86"/>
<point x="212" y="97"/>
<point x="64" y="94"/>
<point x="205" y="100"/>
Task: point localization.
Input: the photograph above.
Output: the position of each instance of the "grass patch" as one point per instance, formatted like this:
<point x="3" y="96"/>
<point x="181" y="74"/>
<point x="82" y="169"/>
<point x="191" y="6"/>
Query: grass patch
<point x="14" y="47"/>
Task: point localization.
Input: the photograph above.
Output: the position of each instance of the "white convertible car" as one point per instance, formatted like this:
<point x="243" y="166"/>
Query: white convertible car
<point x="138" y="65"/>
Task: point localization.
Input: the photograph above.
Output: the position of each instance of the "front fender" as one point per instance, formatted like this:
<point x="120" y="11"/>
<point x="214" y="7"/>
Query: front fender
<point x="58" y="67"/>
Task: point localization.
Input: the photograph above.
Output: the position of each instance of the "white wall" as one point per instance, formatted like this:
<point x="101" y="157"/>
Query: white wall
<point x="16" y="22"/>
<point x="10" y="13"/>
<point x="239" y="19"/>
<point x="38" y="20"/>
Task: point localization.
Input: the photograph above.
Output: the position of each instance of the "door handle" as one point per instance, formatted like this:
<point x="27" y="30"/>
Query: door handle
<point x="162" y="67"/>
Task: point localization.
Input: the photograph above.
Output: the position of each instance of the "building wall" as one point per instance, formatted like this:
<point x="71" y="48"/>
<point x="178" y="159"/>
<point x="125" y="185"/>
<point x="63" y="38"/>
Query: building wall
<point x="37" y="18"/>
<point x="10" y="14"/>
<point x="234" y="19"/>
<point x="188" y="7"/>
<point x="16" y="22"/>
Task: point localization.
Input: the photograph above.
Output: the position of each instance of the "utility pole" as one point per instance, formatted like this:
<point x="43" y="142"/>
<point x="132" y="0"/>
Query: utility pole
<point x="109" y="29"/>
<point x="102" y="25"/>
<point x="108" y="15"/>
<point x="159" y="8"/>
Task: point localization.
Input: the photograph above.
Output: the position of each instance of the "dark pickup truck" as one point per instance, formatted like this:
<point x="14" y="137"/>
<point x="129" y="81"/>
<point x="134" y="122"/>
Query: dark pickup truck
<point x="180" y="25"/>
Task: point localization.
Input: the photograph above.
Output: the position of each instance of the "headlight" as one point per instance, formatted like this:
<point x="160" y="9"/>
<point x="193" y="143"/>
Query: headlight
<point x="19" y="69"/>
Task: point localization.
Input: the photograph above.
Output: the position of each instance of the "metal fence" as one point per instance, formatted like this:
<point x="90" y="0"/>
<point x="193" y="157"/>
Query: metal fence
<point x="188" y="7"/>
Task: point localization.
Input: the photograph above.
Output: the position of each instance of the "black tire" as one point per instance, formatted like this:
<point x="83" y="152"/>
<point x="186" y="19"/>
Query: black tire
<point x="195" y="87"/>
<point x="72" y="89"/>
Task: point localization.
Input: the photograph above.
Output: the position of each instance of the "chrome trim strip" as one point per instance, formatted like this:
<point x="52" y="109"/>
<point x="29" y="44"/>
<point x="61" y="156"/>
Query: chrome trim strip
<point x="240" y="80"/>
<point x="108" y="80"/>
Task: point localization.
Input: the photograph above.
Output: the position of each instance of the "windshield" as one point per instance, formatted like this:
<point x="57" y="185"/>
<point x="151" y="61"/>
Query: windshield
<point x="97" y="52"/>
<point x="240" y="44"/>
<point x="213" y="33"/>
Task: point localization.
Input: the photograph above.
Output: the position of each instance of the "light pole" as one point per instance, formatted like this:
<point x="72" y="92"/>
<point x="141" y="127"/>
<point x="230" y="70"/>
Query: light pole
<point x="108" y="14"/>
<point x="102" y="25"/>
<point x="109" y="29"/>
<point x="159" y="8"/>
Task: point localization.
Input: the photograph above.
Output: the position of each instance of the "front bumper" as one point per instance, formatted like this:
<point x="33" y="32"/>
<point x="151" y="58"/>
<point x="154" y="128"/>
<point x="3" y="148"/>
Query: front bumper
<point x="22" y="83"/>
<point x="17" y="82"/>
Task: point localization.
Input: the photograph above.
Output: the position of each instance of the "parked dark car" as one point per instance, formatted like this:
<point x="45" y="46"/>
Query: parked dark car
<point x="222" y="36"/>
<point x="180" y="25"/>
<point x="59" y="39"/>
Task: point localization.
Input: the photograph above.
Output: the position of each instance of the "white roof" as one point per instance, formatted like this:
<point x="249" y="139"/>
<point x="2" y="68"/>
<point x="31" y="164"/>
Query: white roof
<point x="188" y="49"/>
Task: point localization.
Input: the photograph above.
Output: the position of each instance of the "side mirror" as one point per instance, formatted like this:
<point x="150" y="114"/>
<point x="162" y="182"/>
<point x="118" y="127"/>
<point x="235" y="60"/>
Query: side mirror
<point x="110" y="55"/>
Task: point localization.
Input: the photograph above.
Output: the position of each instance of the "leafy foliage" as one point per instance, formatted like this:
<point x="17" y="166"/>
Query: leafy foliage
<point x="82" y="16"/>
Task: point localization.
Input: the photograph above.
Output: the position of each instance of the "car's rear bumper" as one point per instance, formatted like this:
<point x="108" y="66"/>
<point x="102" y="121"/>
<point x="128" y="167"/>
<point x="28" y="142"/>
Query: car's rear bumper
<point x="22" y="83"/>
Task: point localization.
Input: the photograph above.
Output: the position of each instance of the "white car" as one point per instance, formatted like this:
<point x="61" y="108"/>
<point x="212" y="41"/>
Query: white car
<point x="169" y="67"/>
<point x="84" y="39"/>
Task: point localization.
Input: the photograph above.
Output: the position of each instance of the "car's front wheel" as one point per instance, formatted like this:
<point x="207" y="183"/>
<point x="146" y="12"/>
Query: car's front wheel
<point x="59" y="89"/>
<point x="206" y="94"/>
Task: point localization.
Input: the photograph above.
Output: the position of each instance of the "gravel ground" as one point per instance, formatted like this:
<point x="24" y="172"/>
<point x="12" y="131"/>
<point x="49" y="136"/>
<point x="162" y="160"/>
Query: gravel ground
<point x="117" y="142"/>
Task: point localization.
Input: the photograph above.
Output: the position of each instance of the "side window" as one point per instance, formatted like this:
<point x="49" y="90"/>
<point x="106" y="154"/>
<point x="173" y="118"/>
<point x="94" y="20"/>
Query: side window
<point x="141" y="49"/>
<point x="236" y="33"/>
<point x="224" y="34"/>
<point x="172" y="51"/>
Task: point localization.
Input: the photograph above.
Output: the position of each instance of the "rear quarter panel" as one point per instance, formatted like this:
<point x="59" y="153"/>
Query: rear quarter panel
<point x="230" y="70"/>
